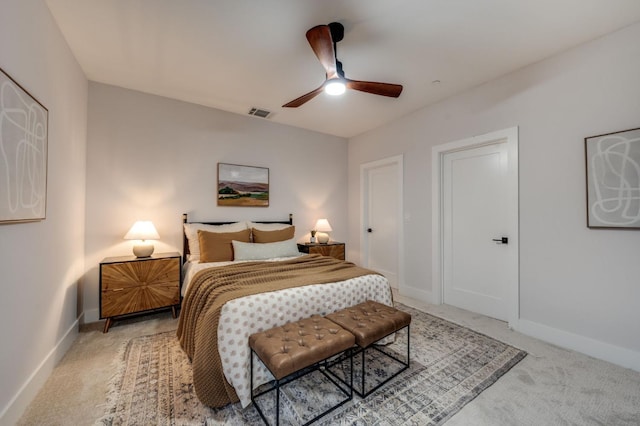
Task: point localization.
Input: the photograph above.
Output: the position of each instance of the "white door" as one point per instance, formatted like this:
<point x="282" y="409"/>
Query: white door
<point x="475" y="213"/>
<point x="382" y="217"/>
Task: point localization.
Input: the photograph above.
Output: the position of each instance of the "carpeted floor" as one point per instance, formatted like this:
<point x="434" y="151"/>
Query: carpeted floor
<point x="450" y="366"/>
<point x="550" y="386"/>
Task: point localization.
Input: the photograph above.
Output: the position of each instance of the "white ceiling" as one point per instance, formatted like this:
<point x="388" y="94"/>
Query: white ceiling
<point x="237" y="54"/>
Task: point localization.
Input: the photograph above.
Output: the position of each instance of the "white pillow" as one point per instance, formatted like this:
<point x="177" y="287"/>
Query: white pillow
<point x="257" y="251"/>
<point x="191" y="231"/>
<point x="268" y="226"/>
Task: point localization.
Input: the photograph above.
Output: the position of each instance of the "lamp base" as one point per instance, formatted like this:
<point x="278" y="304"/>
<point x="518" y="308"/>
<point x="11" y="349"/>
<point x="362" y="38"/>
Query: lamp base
<point x="143" y="249"/>
<point x="322" y="237"/>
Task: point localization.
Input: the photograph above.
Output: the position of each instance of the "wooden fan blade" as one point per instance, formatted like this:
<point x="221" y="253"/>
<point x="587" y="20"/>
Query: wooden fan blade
<point x="384" y="89"/>
<point x="304" y="98"/>
<point x="319" y="38"/>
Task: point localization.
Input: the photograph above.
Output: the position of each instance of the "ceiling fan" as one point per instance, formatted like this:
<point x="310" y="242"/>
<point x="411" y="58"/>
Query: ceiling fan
<point x="323" y="39"/>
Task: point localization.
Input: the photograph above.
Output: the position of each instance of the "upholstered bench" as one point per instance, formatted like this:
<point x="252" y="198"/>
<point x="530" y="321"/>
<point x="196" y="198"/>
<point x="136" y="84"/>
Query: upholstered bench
<point x="371" y="322"/>
<point x="296" y="349"/>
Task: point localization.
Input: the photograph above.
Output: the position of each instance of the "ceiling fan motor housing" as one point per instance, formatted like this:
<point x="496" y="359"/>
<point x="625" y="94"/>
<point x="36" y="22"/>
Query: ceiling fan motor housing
<point x="337" y="31"/>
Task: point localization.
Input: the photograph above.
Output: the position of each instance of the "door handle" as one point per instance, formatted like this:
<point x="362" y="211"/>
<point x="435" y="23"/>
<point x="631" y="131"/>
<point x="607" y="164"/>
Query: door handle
<point x="503" y="240"/>
<point x="369" y="230"/>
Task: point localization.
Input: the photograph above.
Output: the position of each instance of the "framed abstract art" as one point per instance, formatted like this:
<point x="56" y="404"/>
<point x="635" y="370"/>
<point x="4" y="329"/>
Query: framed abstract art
<point x="613" y="180"/>
<point x="23" y="154"/>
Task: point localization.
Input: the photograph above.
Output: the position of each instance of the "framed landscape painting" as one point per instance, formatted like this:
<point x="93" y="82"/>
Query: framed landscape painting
<point x="23" y="154"/>
<point x="613" y="180"/>
<point x="244" y="186"/>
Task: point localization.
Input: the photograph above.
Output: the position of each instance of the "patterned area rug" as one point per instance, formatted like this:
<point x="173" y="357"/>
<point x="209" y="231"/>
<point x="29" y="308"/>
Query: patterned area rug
<point x="450" y="366"/>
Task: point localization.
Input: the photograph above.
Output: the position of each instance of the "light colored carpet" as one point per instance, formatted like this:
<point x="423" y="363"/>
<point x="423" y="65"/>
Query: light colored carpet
<point x="551" y="386"/>
<point x="451" y="365"/>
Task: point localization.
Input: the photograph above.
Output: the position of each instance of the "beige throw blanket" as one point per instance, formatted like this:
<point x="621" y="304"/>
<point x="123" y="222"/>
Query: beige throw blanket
<point x="212" y="288"/>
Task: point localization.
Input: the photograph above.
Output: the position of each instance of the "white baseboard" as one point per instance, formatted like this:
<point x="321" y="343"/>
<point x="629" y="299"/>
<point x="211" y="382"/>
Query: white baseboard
<point x="623" y="357"/>
<point x="15" y="408"/>
<point x="614" y="354"/>
<point x="416" y="293"/>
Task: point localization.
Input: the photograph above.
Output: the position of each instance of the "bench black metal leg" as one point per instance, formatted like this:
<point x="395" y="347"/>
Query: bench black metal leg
<point x="279" y="383"/>
<point x="405" y="365"/>
<point x="277" y="402"/>
<point x="363" y="393"/>
<point x="362" y="375"/>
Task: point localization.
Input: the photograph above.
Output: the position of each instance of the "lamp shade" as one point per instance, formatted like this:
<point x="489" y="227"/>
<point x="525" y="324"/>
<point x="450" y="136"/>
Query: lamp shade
<point x="322" y="225"/>
<point x="142" y="230"/>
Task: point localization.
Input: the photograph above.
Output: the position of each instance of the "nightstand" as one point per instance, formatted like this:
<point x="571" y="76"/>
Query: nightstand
<point x="332" y="249"/>
<point x="130" y="284"/>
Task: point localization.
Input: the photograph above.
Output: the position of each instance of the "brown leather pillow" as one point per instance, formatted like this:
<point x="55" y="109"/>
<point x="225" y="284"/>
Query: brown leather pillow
<point x="273" y="236"/>
<point x="217" y="247"/>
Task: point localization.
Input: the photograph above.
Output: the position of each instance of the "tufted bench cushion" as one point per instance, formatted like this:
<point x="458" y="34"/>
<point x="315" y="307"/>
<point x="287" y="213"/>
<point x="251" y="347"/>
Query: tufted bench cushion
<point x="370" y="321"/>
<point x="297" y="345"/>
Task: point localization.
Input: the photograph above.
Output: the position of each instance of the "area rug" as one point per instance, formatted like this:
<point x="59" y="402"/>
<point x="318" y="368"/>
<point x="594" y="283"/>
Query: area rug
<point x="450" y="366"/>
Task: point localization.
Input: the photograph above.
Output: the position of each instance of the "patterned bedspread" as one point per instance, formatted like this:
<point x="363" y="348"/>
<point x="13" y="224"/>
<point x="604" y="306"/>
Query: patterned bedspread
<point x="224" y="305"/>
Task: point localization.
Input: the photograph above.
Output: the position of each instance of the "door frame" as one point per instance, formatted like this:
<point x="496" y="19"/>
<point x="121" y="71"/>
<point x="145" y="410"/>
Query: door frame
<point x="510" y="137"/>
<point x="398" y="162"/>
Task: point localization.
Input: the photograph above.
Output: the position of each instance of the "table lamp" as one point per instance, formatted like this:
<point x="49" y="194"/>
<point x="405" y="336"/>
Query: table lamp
<point x="322" y="227"/>
<point x="142" y="230"/>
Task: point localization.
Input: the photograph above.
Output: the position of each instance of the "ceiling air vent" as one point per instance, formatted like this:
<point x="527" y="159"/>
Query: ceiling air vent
<point x="262" y="113"/>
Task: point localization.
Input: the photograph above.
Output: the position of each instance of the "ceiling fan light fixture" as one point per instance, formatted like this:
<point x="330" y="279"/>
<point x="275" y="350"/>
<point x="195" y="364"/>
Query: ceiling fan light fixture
<point x="335" y="87"/>
<point x="323" y="39"/>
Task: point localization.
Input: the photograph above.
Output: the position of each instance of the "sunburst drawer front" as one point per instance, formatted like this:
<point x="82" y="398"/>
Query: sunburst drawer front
<point x="130" y="285"/>
<point x="122" y="275"/>
<point x="336" y="251"/>
<point x="332" y="249"/>
<point x="137" y="299"/>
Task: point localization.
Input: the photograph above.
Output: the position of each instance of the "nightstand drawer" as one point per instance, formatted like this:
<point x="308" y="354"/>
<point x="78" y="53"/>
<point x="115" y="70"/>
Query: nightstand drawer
<point x="121" y="275"/>
<point x="332" y="249"/>
<point x="138" y="299"/>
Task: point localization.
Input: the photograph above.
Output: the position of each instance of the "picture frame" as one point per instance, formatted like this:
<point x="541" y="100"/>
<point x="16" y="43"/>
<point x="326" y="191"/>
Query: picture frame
<point x="24" y="136"/>
<point x="613" y="180"/>
<point x="242" y="186"/>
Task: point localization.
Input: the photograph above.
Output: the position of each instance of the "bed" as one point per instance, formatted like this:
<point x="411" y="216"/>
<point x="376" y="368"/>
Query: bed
<point x="265" y="282"/>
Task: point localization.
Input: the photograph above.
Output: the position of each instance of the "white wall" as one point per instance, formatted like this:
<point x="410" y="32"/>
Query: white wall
<point x="41" y="263"/>
<point x="578" y="287"/>
<point x="155" y="158"/>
